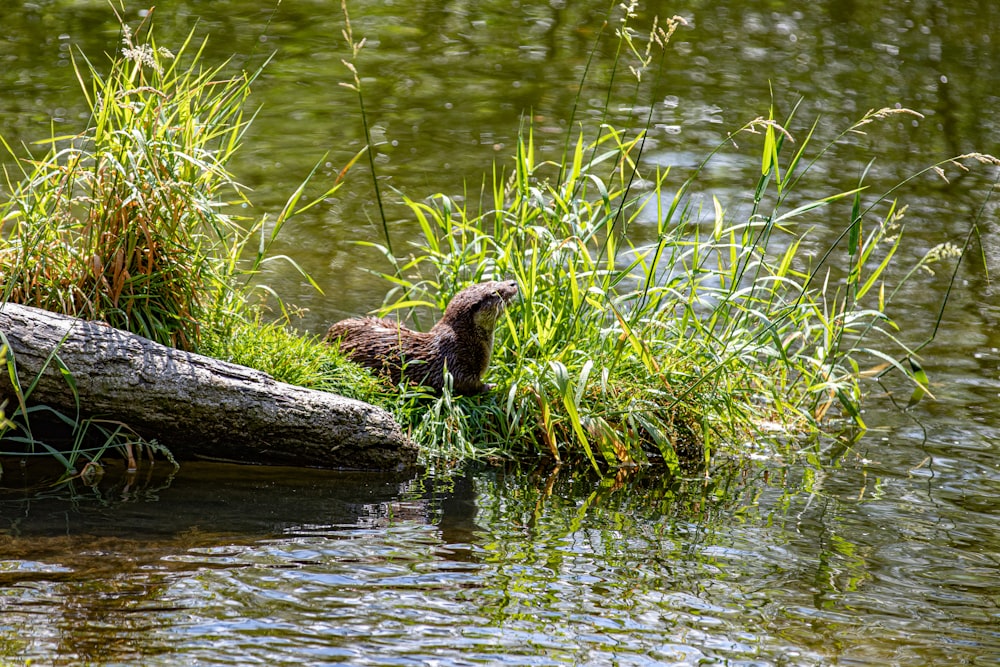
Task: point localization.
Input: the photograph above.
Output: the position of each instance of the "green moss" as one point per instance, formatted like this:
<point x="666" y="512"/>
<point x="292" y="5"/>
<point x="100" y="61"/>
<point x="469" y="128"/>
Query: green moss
<point x="289" y="356"/>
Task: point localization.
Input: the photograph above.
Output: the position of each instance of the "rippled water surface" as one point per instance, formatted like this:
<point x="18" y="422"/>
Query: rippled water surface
<point x="881" y="564"/>
<point x="885" y="553"/>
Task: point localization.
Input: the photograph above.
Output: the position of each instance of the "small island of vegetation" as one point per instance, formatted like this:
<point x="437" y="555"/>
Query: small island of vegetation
<point x="726" y="331"/>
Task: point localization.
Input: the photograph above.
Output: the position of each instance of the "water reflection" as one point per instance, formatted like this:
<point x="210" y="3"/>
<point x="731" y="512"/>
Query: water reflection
<point x="202" y="567"/>
<point x="105" y="567"/>
<point x="229" y="565"/>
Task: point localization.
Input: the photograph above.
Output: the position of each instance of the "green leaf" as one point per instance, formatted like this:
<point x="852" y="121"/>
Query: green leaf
<point x="799" y="210"/>
<point x="769" y="150"/>
<point x="920" y="377"/>
<point x="851" y="407"/>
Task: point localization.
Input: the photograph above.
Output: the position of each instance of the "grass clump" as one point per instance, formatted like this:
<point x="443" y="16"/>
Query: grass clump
<point x="131" y="222"/>
<point x="125" y="221"/>
<point x="700" y="326"/>
<point x="714" y="327"/>
<point x="288" y="356"/>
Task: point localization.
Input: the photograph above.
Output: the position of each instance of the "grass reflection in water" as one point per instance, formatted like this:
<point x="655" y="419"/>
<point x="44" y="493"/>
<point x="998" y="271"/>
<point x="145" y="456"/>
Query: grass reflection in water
<point x="515" y="567"/>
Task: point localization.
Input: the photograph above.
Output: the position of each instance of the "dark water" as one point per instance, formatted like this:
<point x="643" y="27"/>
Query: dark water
<point x="887" y="553"/>
<point x="878" y="564"/>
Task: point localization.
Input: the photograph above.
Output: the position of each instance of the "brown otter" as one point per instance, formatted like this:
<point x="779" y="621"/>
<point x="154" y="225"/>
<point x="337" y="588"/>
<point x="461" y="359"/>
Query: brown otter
<point x="461" y="342"/>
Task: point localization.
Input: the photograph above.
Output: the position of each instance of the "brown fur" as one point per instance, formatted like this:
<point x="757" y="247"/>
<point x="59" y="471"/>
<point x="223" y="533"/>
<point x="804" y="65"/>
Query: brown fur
<point x="462" y="341"/>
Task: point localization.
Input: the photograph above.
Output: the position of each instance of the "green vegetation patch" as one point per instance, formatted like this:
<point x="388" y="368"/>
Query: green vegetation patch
<point x="698" y="328"/>
<point x="132" y="222"/>
<point x="653" y="321"/>
<point x="711" y="331"/>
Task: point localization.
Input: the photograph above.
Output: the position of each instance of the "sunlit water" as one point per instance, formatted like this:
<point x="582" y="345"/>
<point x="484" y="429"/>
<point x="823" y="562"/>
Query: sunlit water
<point x="886" y="553"/>
<point x="890" y="563"/>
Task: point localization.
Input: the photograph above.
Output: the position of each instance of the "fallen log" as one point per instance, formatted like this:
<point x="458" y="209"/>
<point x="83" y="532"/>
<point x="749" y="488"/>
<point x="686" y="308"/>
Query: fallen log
<point x="196" y="406"/>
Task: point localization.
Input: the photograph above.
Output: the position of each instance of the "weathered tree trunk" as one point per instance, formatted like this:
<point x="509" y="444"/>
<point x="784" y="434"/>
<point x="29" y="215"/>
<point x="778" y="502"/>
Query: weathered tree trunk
<point x="196" y="406"/>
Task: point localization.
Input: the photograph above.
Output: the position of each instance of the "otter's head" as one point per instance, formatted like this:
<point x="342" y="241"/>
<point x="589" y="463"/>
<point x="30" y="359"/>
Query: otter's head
<point x="480" y="305"/>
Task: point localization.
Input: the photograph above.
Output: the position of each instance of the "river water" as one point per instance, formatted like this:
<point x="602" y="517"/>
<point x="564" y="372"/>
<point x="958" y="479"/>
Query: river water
<point x="886" y="553"/>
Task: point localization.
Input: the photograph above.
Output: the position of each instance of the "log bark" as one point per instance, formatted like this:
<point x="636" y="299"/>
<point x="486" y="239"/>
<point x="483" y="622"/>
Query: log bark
<point x="198" y="407"/>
